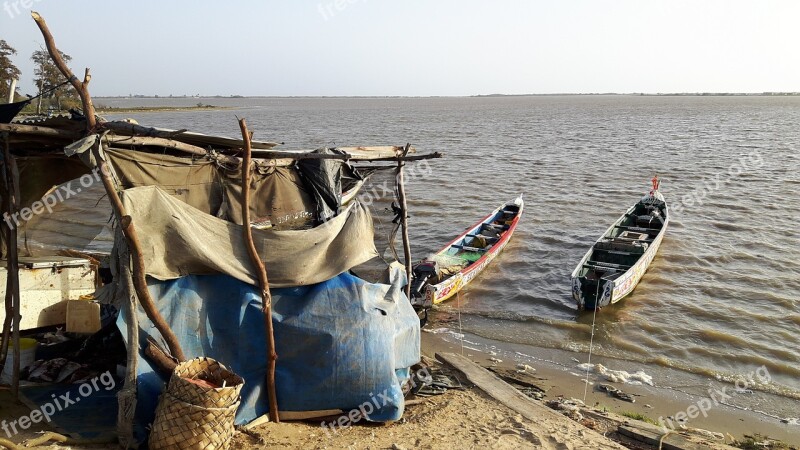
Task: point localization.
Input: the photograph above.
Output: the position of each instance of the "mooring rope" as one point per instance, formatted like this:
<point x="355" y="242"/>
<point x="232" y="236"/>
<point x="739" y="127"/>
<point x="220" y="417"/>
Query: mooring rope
<point x="591" y="342"/>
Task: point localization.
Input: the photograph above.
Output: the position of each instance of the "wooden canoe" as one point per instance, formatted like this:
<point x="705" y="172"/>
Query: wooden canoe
<point x="612" y="268"/>
<point x="442" y="275"/>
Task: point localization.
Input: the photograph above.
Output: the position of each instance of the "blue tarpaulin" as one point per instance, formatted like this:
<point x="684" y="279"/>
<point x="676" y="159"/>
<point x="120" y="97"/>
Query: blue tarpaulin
<point x="340" y="343"/>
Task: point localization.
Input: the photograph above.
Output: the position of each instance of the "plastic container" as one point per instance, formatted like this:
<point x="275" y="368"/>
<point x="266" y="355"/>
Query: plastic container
<point x="27" y="355"/>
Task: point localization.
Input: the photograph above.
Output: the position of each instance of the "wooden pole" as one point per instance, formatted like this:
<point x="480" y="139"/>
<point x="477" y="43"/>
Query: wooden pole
<point x="9" y="298"/>
<point x="401" y="197"/>
<point x="139" y="280"/>
<point x="12" y="282"/>
<point x="81" y="87"/>
<point x="266" y="297"/>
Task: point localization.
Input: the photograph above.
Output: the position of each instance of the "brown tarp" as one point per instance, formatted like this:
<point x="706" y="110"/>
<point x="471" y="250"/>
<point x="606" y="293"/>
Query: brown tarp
<point x="177" y="240"/>
<point x="277" y="194"/>
<point x="195" y="181"/>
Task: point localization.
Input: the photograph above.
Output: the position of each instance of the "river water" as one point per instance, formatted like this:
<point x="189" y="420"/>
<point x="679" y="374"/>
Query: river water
<point x="722" y="298"/>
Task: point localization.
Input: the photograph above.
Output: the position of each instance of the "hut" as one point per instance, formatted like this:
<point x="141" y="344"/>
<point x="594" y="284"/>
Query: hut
<point x="207" y="246"/>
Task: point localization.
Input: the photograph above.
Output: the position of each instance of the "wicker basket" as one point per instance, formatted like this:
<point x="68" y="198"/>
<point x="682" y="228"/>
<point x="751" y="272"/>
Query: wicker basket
<point x="191" y="416"/>
<point x="183" y="426"/>
<point x="209" y="370"/>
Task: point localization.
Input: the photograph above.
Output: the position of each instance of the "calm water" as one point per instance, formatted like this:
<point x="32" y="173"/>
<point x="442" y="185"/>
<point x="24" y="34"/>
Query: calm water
<point x="722" y="297"/>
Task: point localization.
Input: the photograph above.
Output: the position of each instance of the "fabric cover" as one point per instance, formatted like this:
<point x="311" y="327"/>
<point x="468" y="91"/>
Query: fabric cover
<point x="324" y="179"/>
<point x="178" y="240"/>
<point x="340" y="343"/>
<point x="195" y="181"/>
<point x="277" y="194"/>
<point x="81" y="222"/>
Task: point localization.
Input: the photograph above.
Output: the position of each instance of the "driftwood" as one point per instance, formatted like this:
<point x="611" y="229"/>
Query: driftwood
<point x="38" y="131"/>
<point x="81" y="87"/>
<point x="266" y="297"/>
<point x="401" y="197"/>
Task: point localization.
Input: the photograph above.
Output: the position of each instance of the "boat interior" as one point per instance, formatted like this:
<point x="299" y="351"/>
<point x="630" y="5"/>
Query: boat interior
<point x="620" y="248"/>
<point x="475" y="243"/>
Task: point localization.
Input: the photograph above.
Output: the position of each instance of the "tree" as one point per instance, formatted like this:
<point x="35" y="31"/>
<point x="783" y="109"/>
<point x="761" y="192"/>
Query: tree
<point x="47" y="77"/>
<point x="8" y="71"/>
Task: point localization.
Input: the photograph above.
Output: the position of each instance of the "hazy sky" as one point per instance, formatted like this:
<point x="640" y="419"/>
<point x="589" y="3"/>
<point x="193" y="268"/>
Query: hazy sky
<point x="416" y="47"/>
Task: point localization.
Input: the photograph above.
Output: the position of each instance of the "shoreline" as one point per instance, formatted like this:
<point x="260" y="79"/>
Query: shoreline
<point x="556" y="373"/>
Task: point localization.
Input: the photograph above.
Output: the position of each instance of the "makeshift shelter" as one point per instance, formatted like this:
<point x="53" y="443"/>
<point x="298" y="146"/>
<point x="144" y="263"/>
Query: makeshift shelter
<point x="184" y="226"/>
<point x="341" y="339"/>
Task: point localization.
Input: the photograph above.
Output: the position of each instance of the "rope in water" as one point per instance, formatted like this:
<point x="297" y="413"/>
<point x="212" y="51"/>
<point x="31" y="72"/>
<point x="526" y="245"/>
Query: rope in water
<point x="591" y="342"/>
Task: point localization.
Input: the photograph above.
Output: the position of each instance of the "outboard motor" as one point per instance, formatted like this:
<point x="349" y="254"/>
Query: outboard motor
<point x="423" y="273"/>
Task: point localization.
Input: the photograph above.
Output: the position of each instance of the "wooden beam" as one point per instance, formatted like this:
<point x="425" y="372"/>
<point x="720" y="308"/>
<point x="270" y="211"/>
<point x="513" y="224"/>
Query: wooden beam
<point x="261" y="272"/>
<point x="165" y="143"/>
<point x="132" y="129"/>
<point x="39" y="131"/>
<point x="551" y="423"/>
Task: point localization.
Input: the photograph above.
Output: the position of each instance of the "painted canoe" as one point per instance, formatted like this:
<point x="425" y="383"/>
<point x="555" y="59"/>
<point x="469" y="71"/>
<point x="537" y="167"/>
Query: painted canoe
<point x="440" y="276"/>
<point x="612" y="268"/>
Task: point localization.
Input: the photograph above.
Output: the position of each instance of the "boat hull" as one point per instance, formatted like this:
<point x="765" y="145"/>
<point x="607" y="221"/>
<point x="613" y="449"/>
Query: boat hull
<point x="437" y="293"/>
<point x="613" y="290"/>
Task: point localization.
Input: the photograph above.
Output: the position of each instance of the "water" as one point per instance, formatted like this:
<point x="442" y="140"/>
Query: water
<point x="722" y="297"/>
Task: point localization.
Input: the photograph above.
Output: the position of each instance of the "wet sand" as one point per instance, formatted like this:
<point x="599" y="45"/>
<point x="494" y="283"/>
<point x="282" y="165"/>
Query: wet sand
<point x="556" y="373"/>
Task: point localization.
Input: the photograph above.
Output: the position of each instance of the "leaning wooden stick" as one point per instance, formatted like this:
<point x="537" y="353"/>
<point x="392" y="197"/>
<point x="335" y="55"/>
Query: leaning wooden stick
<point x="139" y="281"/>
<point x="401" y="197"/>
<point x="266" y="297"/>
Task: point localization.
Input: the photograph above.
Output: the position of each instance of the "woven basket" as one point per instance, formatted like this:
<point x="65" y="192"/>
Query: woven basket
<point x="182" y="426"/>
<point x="209" y="370"/>
<point x="194" y="417"/>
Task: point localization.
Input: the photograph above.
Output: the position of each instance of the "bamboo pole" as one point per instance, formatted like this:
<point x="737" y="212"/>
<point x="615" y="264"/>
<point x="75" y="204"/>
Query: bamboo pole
<point x="401" y="197"/>
<point x="266" y="297"/>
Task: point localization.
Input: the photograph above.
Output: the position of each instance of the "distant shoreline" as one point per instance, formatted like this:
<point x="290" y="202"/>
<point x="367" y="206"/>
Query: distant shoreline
<point x="629" y="94"/>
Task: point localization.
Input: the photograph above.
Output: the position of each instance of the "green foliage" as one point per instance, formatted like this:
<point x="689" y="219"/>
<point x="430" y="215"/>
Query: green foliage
<point x="638" y="416"/>
<point x="47" y="76"/>
<point x="759" y="442"/>
<point x="8" y="71"/>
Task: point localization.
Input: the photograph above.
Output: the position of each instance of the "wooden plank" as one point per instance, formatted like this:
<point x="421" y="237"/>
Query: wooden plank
<point x="653" y="435"/>
<point x="551" y="422"/>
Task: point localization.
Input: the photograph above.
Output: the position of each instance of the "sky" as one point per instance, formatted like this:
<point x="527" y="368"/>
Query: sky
<point x="415" y="47"/>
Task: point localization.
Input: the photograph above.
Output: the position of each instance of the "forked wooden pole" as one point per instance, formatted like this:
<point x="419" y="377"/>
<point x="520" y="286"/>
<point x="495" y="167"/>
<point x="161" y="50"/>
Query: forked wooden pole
<point x="266" y="297"/>
<point x="81" y="87"/>
<point x="139" y="281"/>
<point x="401" y="197"/>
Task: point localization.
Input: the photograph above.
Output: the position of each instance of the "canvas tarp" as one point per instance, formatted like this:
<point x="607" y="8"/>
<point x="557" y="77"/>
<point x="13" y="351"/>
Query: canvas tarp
<point x="81" y="221"/>
<point x="277" y="194"/>
<point x="178" y="240"/>
<point x="195" y="181"/>
<point x="341" y="343"/>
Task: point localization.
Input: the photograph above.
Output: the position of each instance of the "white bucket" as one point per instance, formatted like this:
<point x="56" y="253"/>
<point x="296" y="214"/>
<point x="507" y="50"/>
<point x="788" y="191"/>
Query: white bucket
<point x="27" y="355"/>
